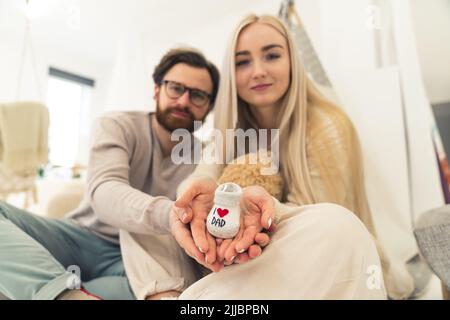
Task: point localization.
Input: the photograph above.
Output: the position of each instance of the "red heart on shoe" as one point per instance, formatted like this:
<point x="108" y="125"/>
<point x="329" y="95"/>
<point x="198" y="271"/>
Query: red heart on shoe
<point x="222" y="212"/>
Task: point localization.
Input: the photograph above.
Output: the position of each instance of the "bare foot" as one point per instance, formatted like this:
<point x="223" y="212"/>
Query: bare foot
<point x="158" y="296"/>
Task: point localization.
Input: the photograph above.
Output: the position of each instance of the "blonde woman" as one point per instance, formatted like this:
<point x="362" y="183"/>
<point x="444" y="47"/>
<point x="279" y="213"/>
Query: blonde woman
<point x="322" y="246"/>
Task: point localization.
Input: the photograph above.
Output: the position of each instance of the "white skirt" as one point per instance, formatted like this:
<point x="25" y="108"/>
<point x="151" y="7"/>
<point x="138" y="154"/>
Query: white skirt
<point x="320" y="251"/>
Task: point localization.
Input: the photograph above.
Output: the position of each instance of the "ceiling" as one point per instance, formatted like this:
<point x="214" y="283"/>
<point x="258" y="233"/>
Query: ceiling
<point x="91" y="28"/>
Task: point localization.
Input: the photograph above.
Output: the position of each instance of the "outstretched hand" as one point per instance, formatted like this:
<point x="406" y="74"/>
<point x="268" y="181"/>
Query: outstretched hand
<point x="193" y="207"/>
<point x="183" y="236"/>
<point x="257" y="213"/>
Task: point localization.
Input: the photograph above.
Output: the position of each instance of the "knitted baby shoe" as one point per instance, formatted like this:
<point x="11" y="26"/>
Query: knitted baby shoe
<point x="224" y="218"/>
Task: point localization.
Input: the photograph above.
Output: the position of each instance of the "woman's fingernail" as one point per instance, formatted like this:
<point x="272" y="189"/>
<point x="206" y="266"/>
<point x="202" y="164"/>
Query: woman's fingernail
<point x="232" y="258"/>
<point x="206" y="259"/>
<point x="241" y="251"/>
<point x="183" y="217"/>
<point x="200" y="249"/>
<point x="269" y="222"/>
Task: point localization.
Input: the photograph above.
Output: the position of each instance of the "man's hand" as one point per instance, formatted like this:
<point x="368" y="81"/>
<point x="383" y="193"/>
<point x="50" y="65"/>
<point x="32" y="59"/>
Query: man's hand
<point x="196" y="202"/>
<point x="257" y="212"/>
<point x="183" y="236"/>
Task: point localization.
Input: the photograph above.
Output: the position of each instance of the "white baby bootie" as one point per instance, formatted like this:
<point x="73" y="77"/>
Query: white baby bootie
<point x="224" y="218"/>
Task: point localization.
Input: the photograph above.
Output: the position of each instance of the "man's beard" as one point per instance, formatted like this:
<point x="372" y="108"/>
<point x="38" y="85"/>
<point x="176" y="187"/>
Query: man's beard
<point x="169" y="122"/>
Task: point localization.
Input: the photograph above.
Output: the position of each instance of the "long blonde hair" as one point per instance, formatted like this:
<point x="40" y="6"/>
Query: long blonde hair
<point x="298" y="120"/>
<point x="315" y="133"/>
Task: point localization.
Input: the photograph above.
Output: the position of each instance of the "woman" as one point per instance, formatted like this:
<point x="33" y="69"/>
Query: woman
<point x="264" y="86"/>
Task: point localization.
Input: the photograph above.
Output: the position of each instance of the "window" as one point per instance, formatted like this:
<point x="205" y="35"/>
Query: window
<point x="68" y="100"/>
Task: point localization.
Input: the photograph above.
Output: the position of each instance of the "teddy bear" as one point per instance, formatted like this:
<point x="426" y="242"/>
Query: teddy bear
<point x="245" y="173"/>
<point x="224" y="218"/>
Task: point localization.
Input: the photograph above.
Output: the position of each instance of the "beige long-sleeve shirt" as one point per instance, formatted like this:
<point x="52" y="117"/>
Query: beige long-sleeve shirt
<point x="130" y="184"/>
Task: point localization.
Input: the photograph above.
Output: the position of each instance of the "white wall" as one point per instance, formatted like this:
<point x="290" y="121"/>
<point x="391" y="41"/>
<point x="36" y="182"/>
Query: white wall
<point x="432" y="30"/>
<point x="138" y="52"/>
<point x="346" y="44"/>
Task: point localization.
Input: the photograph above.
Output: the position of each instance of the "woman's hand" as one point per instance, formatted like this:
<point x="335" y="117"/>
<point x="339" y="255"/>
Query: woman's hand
<point x="196" y="202"/>
<point x="257" y="212"/>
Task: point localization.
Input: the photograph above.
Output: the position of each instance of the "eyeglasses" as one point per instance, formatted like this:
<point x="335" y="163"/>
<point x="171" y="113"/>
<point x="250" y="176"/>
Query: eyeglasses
<point x="175" y="90"/>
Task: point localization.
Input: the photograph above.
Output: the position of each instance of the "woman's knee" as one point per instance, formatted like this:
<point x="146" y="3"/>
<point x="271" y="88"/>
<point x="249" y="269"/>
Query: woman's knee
<point x="334" y="222"/>
<point x="342" y="223"/>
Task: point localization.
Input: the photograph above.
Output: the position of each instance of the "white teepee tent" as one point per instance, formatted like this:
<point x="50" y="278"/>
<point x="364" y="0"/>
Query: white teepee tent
<point x="391" y="113"/>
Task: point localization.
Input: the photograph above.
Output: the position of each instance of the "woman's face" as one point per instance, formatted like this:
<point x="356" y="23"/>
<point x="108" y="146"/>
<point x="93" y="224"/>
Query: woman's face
<point x="262" y="65"/>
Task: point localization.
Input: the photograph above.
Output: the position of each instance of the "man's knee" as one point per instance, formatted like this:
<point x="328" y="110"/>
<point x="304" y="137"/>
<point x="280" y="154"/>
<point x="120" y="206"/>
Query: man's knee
<point x="12" y="214"/>
<point x="3" y="210"/>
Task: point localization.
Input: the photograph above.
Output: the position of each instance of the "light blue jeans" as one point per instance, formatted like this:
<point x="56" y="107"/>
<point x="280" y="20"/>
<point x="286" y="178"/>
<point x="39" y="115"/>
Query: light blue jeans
<point x="38" y="254"/>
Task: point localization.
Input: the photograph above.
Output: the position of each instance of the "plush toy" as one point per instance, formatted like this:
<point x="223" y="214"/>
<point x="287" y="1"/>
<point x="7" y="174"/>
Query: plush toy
<point x="245" y="173"/>
<point x="223" y="219"/>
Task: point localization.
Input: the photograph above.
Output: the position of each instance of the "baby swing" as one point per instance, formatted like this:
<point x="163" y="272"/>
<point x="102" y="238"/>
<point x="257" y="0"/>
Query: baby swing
<point x="23" y="135"/>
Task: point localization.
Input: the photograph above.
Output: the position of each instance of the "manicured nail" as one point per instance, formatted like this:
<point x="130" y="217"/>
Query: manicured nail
<point x="241" y="251"/>
<point x="232" y="258"/>
<point x="200" y="249"/>
<point x="269" y="222"/>
<point x="206" y="259"/>
<point x="183" y="217"/>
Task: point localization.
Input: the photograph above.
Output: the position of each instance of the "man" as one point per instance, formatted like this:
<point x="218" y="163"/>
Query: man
<point x="131" y="186"/>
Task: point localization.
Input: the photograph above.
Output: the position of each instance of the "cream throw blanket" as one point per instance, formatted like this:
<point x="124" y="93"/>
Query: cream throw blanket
<point x="23" y="136"/>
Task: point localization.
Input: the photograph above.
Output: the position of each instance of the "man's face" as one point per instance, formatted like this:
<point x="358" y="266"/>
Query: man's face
<point x="180" y="113"/>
